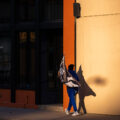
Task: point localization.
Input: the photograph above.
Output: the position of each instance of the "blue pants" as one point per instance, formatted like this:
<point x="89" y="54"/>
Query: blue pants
<point x="71" y="94"/>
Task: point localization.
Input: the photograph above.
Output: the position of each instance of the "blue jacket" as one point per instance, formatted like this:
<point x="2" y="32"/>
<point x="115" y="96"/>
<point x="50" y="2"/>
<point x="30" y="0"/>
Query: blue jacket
<point x="73" y="73"/>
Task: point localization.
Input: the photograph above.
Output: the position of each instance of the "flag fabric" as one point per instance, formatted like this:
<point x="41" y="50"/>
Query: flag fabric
<point x="62" y="71"/>
<point x="65" y="76"/>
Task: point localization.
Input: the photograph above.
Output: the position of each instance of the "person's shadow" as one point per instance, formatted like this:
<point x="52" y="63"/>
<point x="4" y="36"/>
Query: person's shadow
<point x="83" y="91"/>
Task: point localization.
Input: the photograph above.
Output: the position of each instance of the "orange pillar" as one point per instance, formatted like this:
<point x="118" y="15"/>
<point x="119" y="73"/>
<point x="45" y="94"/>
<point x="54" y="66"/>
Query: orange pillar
<point x="68" y="40"/>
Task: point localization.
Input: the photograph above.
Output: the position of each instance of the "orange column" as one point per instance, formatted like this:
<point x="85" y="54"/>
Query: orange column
<point x="68" y="40"/>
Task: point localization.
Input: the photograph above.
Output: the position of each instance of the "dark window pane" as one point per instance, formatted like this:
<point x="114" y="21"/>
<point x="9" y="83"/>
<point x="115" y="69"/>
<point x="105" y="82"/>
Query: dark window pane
<point x="32" y="67"/>
<point x="55" y="50"/>
<point x="32" y="37"/>
<point x="52" y="10"/>
<point x="25" y="10"/>
<point x="22" y="66"/>
<point x="23" y="37"/>
<point x="26" y="60"/>
<point x="4" y="11"/>
<point x="5" y="60"/>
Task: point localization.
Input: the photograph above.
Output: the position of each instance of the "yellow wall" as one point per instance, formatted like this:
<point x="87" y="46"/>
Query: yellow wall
<point x="98" y="51"/>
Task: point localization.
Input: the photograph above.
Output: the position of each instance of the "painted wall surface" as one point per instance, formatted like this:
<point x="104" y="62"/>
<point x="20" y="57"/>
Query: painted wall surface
<point x="68" y="41"/>
<point x="98" y="51"/>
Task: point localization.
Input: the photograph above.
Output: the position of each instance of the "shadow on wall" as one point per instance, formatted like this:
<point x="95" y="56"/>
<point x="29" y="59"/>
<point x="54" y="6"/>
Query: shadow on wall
<point x="98" y="81"/>
<point x="84" y="90"/>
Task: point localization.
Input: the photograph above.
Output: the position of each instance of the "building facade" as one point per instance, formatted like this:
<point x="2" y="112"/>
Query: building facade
<point x="31" y="47"/>
<point x="95" y="40"/>
<point x="35" y="34"/>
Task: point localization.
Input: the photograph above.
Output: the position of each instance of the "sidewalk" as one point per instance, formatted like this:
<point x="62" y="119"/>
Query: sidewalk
<point x="31" y="114"/>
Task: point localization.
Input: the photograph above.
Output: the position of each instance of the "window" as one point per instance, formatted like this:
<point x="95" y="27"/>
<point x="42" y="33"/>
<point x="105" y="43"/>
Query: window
<point x="4" y="11"/>
<point x="5" y="60"/>
<point x="25" y="10"/>
<point x="52" y="10"/>
<point x="55" y="51"/>
<point x="26" y="60"/>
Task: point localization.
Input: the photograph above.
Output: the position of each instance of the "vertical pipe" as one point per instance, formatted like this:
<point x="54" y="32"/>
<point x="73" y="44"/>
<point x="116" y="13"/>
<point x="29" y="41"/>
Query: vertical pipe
<point x="75" y="39"/>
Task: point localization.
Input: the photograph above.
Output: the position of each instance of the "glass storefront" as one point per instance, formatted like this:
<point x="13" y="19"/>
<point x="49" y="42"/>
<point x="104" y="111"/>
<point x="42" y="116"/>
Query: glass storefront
<point x="30" y="54"/>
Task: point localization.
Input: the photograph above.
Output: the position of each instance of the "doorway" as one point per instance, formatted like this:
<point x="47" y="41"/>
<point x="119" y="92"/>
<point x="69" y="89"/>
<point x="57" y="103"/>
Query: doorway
<point x="48" y="87"/>
<point x="51" y="54"/>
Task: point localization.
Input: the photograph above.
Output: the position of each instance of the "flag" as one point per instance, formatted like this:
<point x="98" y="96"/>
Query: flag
<point x="62" y="71"/>
<point x="66" y="77"/>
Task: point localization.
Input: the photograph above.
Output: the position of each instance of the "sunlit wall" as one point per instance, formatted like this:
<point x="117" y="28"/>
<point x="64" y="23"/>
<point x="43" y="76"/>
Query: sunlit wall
<point x="98" y="51"/>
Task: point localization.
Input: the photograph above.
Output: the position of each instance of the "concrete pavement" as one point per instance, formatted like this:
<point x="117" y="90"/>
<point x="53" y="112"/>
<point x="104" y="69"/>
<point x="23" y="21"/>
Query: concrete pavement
<point x="31" y="114"/>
